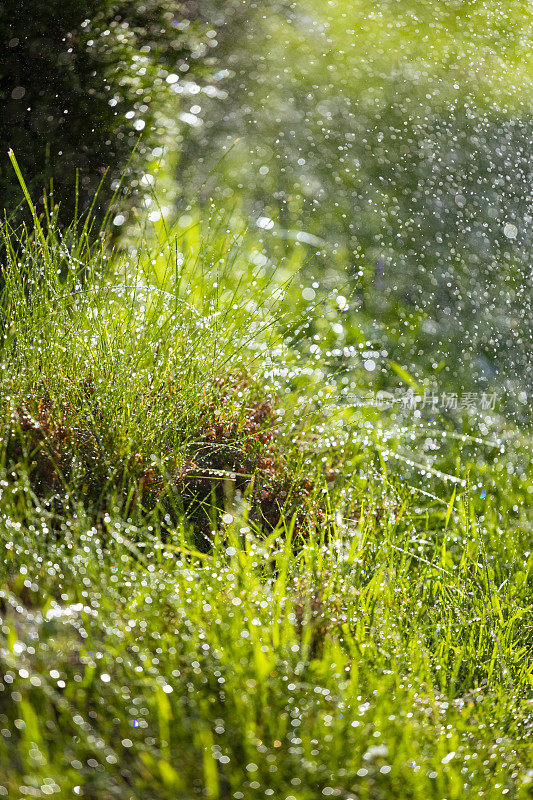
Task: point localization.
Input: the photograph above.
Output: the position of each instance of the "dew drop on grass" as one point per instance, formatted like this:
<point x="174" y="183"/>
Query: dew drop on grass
<point x="510" y="230"/>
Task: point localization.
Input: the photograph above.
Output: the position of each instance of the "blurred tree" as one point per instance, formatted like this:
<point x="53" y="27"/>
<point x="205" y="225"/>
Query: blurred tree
<point x="81" y="81"/>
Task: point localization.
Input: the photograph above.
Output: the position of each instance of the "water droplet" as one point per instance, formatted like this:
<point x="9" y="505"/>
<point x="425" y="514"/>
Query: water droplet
<point x="510" y="230"/>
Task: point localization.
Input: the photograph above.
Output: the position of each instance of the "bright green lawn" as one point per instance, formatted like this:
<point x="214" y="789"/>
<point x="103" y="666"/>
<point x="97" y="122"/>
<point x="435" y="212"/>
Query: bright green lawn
<point x="375" y="644"/>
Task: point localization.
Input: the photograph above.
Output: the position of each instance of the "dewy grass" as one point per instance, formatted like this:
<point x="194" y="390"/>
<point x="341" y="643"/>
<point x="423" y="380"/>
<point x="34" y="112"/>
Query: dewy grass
<point x="137" y="389"/>
<point x="215" y="587"/>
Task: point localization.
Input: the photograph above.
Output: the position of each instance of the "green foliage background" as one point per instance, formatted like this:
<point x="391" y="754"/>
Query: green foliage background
<point x="79" y="82"/>
<point x="399" y="134"/>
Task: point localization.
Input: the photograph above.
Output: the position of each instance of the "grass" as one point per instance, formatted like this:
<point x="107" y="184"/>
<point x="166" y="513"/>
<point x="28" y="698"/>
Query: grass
<point x="221" y="580"/>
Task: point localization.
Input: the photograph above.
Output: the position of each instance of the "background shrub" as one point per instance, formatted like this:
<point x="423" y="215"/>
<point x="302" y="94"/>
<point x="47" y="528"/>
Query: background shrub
<point x="80" y="82"/>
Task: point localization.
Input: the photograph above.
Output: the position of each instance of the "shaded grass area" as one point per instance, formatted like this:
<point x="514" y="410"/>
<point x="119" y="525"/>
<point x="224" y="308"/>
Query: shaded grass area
<point x="206" y="589"/>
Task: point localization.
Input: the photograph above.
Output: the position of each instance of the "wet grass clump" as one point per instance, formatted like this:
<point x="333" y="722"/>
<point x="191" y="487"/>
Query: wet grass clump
<point x="115" y="391"/>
